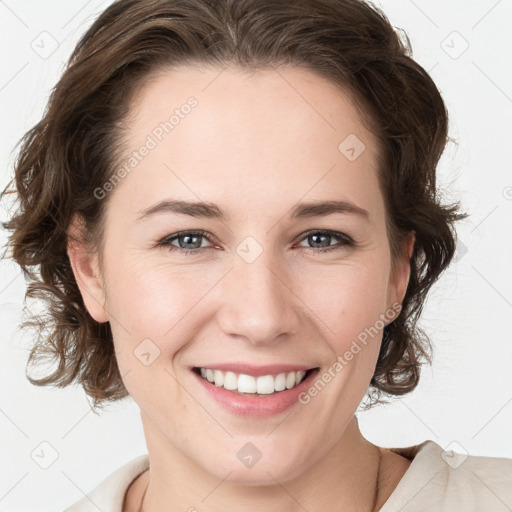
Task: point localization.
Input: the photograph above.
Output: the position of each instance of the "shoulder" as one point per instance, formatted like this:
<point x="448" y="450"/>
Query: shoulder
<point x="109" y="494"/>
<point x="447" y="480"/>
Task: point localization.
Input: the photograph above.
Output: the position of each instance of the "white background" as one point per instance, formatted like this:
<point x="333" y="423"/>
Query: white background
<point x="464" y="400"/>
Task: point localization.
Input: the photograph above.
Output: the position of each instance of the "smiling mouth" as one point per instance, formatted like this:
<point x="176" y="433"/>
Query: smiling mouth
<point x="243" y="384"/>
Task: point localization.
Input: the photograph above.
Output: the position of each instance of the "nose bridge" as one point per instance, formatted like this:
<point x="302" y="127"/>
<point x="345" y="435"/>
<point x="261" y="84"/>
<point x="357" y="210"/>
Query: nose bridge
<point x="258" y="301"/>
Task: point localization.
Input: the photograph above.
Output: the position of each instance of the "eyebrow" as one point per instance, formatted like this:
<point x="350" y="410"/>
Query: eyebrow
<point x="206" y="210"/>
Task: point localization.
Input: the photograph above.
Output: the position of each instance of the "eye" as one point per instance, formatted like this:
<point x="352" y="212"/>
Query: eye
<point x="188" y="242"/>
<point x="321" y="240"/>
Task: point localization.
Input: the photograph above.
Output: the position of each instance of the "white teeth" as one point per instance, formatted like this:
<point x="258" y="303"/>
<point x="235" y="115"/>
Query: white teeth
<point x="230" y="381"/>
<point x="219" y="377"/>
<point x="280" y="382"/>
<point x="290" y="380"/>
<point x="246" y="384"/>
<point x="264" y="385"/>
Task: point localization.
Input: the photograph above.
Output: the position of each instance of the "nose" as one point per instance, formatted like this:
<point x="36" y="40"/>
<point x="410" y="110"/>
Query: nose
<point x="259" y="302"/>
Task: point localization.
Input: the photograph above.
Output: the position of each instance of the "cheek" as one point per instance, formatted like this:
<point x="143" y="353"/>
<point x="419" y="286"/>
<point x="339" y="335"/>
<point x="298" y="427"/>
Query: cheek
<point x="153" y="320"/>
<point x="349" y="302"/>
<point x="153" y="298"/>
<point x="347" y="299"/>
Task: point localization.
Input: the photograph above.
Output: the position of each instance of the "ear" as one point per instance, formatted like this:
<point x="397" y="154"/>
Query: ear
<point x="86" y="271"/>
<point x="401" y="272"/>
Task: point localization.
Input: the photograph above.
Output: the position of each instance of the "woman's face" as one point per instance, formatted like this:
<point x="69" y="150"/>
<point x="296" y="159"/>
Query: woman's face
<point x="257" y="287"/>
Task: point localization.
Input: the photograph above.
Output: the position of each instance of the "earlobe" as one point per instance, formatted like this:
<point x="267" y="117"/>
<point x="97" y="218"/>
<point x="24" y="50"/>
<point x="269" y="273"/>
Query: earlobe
<point x="87" y="273"/>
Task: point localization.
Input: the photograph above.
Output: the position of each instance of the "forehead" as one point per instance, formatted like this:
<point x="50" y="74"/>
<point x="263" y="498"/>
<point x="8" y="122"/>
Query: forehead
<point x="286" y="130"/>
<point x="274" y="98"/>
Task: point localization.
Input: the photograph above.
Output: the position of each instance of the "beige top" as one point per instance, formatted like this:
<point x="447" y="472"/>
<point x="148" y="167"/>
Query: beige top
<point x="435" y="481"/>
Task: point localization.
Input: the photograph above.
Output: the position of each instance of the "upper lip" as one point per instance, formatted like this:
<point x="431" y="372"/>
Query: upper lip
<point x="257" y="371"/>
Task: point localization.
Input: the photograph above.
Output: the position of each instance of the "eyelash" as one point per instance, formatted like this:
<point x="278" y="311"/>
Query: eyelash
<point x="166" y="242"/>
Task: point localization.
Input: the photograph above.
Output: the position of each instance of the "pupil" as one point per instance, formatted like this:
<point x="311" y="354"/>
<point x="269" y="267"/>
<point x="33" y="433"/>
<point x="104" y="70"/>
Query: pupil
<point x="314" y="237"/>
<point x="187" y="241"/>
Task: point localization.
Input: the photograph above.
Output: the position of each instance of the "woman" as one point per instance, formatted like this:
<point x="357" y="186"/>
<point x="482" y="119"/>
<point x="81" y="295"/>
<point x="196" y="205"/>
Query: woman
<point x="233" y="208"/>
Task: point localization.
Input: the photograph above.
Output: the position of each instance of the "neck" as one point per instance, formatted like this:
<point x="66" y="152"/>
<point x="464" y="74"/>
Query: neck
<point x="343" y="478"/>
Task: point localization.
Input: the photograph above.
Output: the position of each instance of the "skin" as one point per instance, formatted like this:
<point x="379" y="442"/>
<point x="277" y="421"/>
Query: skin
<point x="256" y="144"/>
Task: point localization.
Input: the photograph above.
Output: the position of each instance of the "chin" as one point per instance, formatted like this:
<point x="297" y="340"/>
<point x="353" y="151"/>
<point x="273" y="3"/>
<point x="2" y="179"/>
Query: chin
<point x="261" y="473"/>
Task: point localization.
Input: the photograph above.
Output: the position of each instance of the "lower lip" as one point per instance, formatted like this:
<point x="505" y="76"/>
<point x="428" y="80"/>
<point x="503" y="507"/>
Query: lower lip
<point x="256" y="406"/>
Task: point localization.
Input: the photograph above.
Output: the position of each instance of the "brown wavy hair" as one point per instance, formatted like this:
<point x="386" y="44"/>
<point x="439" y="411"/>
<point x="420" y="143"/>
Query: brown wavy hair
<point x="74" y="148"/>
